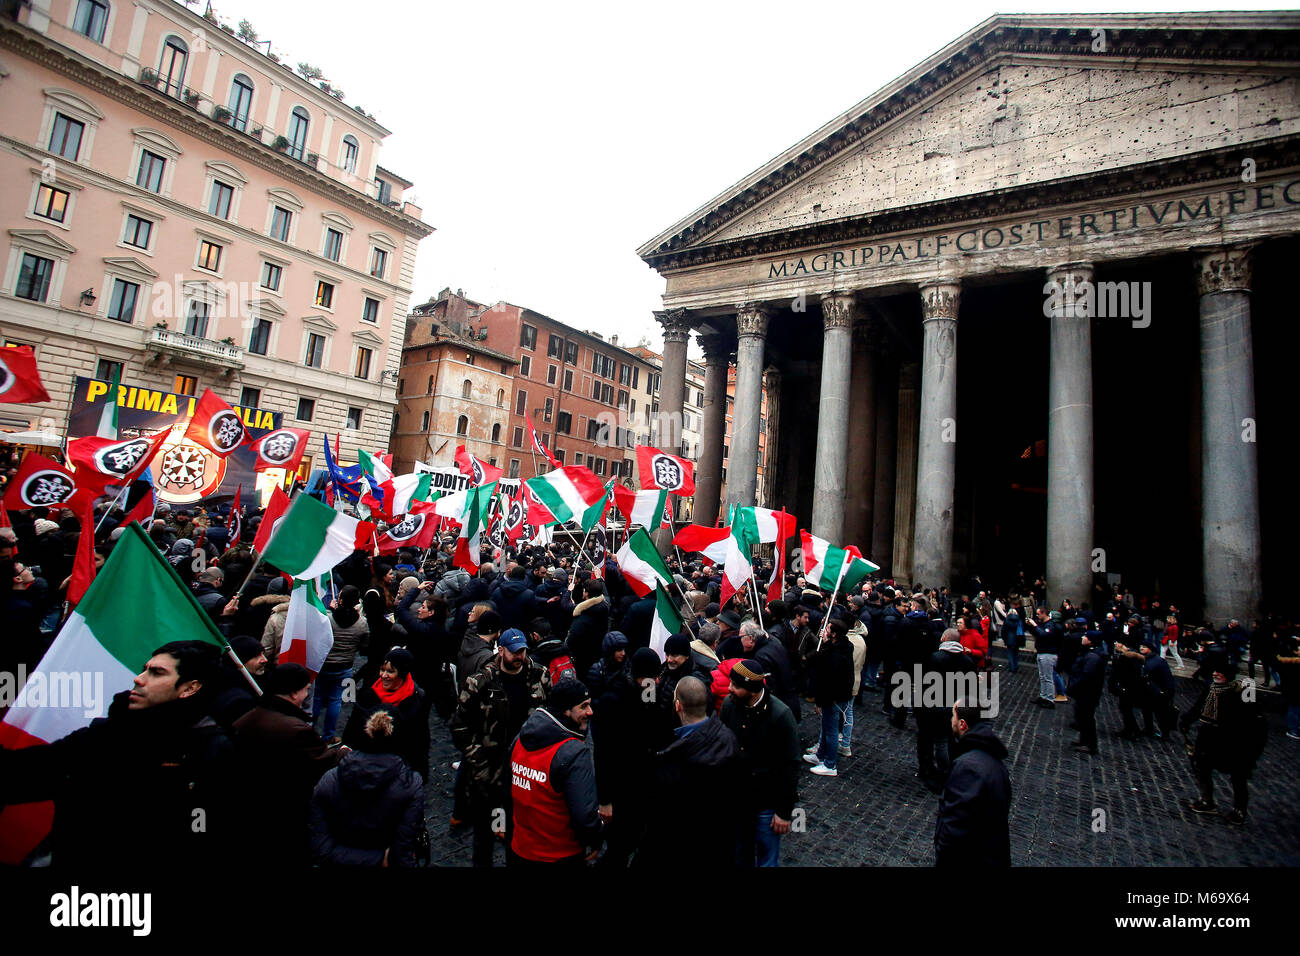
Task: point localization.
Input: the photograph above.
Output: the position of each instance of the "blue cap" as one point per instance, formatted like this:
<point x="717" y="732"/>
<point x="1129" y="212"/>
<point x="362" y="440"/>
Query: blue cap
<point x="513" y="640"/>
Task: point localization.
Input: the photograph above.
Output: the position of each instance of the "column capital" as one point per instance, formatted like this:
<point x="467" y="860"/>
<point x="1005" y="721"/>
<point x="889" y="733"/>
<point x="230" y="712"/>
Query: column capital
<point x="1071" y="273"/>
<point x="715" y="346"/>
<point x="676" y="324"/>
<point x="839" y="310"/>
<point x="1226" y="269"/>
<point x="752" y="319"/>
<point x="940" y="299"/>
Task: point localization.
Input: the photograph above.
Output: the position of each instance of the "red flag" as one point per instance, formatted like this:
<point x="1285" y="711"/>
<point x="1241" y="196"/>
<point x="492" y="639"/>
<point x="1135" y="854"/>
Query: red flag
<point x="665" y="472"/>
<point x="479" y="471"/>
<point x="216" y="426"/>
<point x="113" y="461"/>
<point x="40" y="483"/>
<point x="141" y="512"/>
<point x="537" y="443"/>
<point x="83" y="567"/>
<point x="235" y="524"/>
<point x="270" y="518"/>
<point x="785" y="528"/>
<point x="417" y="529"/>
<point x="281" y="448"/>
<point x="20" y="383"/>
<point x="516" y="515"/>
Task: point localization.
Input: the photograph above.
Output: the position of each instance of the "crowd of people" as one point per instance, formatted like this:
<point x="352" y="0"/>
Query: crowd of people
<point x="579" y="741"/>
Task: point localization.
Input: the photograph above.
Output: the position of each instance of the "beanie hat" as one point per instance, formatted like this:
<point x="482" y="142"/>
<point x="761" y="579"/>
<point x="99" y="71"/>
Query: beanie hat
<point x="748" y="674"/>
<point x="489" y="622"/>
<point x="677" y="644"/>
<point x="43" y="525"/>
<point x="403" y="661"/>
<point x="567" y="694"/>
<point x="245" y="647"/>
<point x="277" y="585"/>
<point x="645" y="663"/>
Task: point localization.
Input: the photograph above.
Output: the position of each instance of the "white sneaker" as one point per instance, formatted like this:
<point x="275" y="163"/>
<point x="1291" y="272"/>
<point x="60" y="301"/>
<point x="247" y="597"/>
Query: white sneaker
<point x="824" y="771"/>
<point x="845" y="752"/>
<point x="455" y="765"/>
<point x="812" y="758"/>
<point x="813" y="749"/>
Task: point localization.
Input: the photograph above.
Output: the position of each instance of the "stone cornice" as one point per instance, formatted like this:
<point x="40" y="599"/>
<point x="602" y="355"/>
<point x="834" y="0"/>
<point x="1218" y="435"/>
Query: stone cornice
<point x="31" y="45"/>
<point x="1222" y="164"/>
<point x="1150" y="39"/>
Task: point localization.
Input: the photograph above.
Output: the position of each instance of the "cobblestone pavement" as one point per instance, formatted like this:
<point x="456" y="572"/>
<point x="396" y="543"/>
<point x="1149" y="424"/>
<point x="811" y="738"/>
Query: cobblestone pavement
<point x="876" y="813"/>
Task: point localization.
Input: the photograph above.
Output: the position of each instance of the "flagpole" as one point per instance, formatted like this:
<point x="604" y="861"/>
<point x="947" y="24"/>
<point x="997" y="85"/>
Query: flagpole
<point x="230" y="652"/>
<point x="826" y="622"/>
<point x="118" y="499"/>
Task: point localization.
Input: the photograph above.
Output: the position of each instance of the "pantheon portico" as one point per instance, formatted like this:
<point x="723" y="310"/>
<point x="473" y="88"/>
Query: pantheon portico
<point x="1106" y="239"/>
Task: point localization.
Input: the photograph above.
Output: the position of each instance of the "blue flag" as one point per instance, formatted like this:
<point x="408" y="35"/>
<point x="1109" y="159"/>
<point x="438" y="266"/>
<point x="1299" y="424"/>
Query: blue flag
<point x="347" y="481"/>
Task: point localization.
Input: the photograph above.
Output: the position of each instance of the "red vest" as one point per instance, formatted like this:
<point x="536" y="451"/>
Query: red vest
<point x="542" y="830"/>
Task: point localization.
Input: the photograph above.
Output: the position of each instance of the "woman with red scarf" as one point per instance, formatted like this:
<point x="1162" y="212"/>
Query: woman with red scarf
<point x="397" y="693"/>
<point x="973" y="640"/>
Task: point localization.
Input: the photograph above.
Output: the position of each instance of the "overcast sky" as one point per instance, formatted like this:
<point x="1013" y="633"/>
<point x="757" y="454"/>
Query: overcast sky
<point x="547" y="141"/>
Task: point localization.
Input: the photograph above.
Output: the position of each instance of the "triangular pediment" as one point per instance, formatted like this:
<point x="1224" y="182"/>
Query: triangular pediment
<point x="1017" y="102"/>
<point x="130" y="265"/>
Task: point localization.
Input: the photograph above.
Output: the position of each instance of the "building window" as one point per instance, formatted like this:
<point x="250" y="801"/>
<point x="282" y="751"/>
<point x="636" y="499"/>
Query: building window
<point x="91" y="19"/>
<point x="378" y="263"/>
<point x="496" y="433"/>
<point x="501" y="398"/>
<point x="622" y="401"/>
<point x="568" y="380"/>
<point x="467" y="389"/>
<point x="306" y="409"/>
<point x="51" y="203"/>
<point x="34" y="277"/>
<point x="138" y="232"/>
<point x="469" y="360"/>
<point x="324" y="294"/>
<point x="550" y="374"/>
<point x="430" y="391"/>
<point x="625" y="374"/>
<point x="462" y="425"/>
<point x="108" y="371"/>
<point x="599" y="468"/>
<point x="577" y="458"/>
<point x="259" y="341"/>
<point x="280" y="220"/>
<point x="383" y="191"/>
<point x="424" y="422"/>
<point x="241" y="102"/>
<point x="350" y="151"/>
<point x="298" y="122"/>
<point x="527" y="337"/>
<point x="549" y="410"/>
<point x="363" y="363"/>
<point x="333" y="244"/>
<point x="525" y="365"/>
<point x="172" y="69"/>
<point x="121" y="305"/>
<point x="219" y="201"/>
<point x="196" y="320"/>
<point x="514" y="468"/>
<point x="595" y="390"/>
<point x="517" y="440"/>
<point x="559" y="455"/>
<point x="563" y="423"/>
<point x="271" y="274"/>
<point x="65" y="138"/>
<point x="354" y="419"/>
<point x="315" y="350"/>
<point x="185" y="385"/>
<point x="521" y="402"/>
<point x="554" y="347"/>
<point x="571" y="353"/>
<point x="636" y="376"/>
<point x="250" y="397"/>
<point x="209" y="256"/>
<point x="595" y="362"/>
<point x="370" y="310"/>
<point x="150" y="174"/>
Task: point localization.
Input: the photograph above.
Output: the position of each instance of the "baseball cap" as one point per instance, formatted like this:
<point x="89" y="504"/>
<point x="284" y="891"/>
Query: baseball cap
<point x="513" y="640"/>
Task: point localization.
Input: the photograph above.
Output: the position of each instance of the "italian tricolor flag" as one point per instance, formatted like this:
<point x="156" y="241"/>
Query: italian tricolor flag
<point x="641" y="564"/>
<point x="830" y="568"/>
<point x="417" y="486"/>
<point x="646" y="508"/>
<point x="308" y="636"/>
<point x="573" y="493"/>
<point x="313" y="538"/>
<point x="728" y="547"/>
<point x="380" y="478"/>
<point x="472" y="523"/>
<point x="667" y="622"/>
<point x="136" y="604"/>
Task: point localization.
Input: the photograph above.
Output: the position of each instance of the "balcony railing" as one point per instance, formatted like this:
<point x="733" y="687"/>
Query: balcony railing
<point x="206" y="351"/>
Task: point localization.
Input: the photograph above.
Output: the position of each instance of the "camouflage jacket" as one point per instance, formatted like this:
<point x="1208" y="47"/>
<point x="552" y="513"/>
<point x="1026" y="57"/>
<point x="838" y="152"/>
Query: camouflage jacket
<point x="482" y="721"/>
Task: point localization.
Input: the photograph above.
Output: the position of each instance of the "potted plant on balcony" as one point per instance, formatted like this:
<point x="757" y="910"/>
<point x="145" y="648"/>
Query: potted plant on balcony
<point x="281" y="143"/>
<point x="221" y="114"/>
<point x="148" y="77"/>
<point x="191" y="97"/>
<point x="228" y="340"/>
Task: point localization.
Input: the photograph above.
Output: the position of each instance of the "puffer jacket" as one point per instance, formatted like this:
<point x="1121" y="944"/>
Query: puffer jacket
<point x="369" y="803"/>
<point x="273" y="633"/>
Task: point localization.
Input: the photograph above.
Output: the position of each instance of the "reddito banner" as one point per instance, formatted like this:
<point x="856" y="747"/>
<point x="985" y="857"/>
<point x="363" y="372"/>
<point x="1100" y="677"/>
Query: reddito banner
<point x="183" y="472"/>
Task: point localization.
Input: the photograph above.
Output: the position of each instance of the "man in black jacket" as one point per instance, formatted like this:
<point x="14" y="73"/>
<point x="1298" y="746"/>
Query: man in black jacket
<point x="831" y="683"/>
<point x="769" y="756"/>
<point x="155" y="765"/>
<point x="972" y="830"/>
<point x="695" y="786"/>
<point x="1087" y="677"/>
<point x="933" y="722"/>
